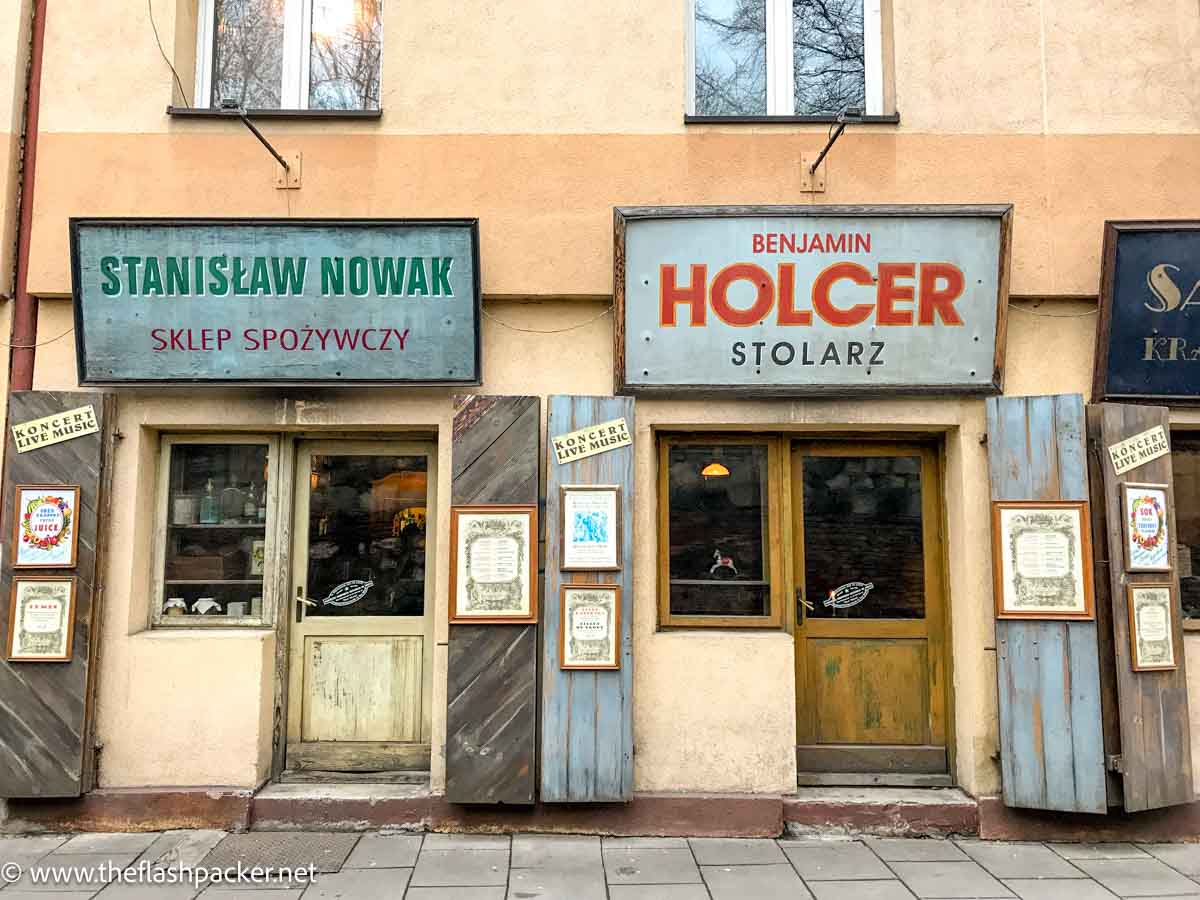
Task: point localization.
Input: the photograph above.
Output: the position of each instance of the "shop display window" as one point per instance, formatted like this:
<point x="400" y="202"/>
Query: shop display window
<point x="719" y="533"/>
<point x="1185" y="463"/>
<point x="289" y="54"/>
<point x="217" y="515"/>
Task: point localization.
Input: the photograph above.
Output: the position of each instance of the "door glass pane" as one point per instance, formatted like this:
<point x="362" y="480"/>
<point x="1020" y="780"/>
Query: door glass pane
<point x="827" y="56"/>
<point x="863" y="552"/>
<point x="717" y="498"/>
<point x="1185" y="462"/>
<point x="216" y="531"/>
<point x="248" y="53"/>
<point x="731" y="57"/>
<point x="347" y="39"/>
<point x="366" y="535"/>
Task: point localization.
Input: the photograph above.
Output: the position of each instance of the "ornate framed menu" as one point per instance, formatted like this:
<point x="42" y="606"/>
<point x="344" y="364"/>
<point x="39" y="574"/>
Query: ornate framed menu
<point x="41" y="619"/>
<point x="589" y="635"/>
<point x="493" y="564"/>
<point x="1145" y="517"/>
<point x="1042" y="560"/>
<point x="1151" y="626"/>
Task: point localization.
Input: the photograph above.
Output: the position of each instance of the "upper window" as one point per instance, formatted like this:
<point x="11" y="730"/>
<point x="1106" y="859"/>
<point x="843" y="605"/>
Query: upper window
<point x="786" y="57"/>
<point x="289" y="54"/>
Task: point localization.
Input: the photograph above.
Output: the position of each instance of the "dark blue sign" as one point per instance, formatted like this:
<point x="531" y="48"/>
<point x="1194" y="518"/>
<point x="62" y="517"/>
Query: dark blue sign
<point x="1148" y="346"/>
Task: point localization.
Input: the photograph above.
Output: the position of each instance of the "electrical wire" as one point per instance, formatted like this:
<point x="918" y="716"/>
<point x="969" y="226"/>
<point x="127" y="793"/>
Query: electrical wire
<point x="1034" y="312"/>
<point x="57" y="337"/>
<point x="166" y="59"/>
<point x="503" y="324"/>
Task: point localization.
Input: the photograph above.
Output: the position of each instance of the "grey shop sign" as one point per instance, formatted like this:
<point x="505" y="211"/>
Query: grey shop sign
<point x="791" y="301"/>
<point x="267" y="301"/>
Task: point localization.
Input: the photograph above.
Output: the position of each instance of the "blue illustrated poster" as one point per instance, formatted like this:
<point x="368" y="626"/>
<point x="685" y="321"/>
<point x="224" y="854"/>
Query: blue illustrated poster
<point x="591" y="527"/>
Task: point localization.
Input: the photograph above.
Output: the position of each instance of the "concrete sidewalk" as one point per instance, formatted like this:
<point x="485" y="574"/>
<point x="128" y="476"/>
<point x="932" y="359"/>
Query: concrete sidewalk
<point x="353" y="866"/>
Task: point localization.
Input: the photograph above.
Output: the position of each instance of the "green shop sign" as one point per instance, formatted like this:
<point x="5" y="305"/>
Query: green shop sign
<point x="262" y="301"/>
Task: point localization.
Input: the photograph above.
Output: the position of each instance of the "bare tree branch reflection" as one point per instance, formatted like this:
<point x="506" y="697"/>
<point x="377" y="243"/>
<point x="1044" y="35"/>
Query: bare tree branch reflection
<point x="344" y="63"/>
<point x="248" y="53"/>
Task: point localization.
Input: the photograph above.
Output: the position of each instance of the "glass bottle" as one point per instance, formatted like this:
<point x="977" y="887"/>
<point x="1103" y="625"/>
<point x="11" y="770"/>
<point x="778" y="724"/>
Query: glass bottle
<point x="249" y="507"/>
<point x="262" y="503"/>
<point x="210" y="509"/>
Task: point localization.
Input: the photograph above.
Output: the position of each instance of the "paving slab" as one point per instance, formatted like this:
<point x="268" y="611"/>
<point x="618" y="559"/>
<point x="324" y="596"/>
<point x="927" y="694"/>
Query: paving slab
<point x="860" y="890"/>
<point x="658" y="892"/>
<point x="557" y="851"/>
<point x="645" y="843"/>
<point x="109" y="842"/>
<point x="182" y="848"/>
<point x="27" y="849"/>
<point x="834" y="860"/>
<point x="147" y="892"/>
<point x="1006" y="859"/>
<point x="10" y="894"/>
<point x="466" y="842"/>
<point x="1139" y="877"/>
<point x="1057" y="889"/>
<point x="493" y="892"/>
<point x="1105" y="850"/>
<point x="650" y="866"/>
<point x="736" y="851"/>
<point x="324" y="850"/>
<point x="557" y="884"/>
<point x="1183" y="858"/>
<point x="949" y="880"/>
<point x="460" y="868"/>
<point x="250" y="894"/>
<point x="384" y="851"/>
<point x="762" y="882"/>
<point x="915" y="850"/>
<point x="358" y="884"/>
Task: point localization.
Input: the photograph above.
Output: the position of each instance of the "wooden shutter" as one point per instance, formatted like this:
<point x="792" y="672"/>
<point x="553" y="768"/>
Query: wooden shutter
<point x="1152" y="739"/>
<point x="491" y="718"/>
<point x="587" y="715"/>
<point x="1051" y="743"/>
<point x="46" y="728"/>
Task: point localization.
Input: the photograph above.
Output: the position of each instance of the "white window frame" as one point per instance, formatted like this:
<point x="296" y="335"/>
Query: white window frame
<point x="781" y="87"/>
<point x="270" y="533"/>
<point x="297" y="53"/>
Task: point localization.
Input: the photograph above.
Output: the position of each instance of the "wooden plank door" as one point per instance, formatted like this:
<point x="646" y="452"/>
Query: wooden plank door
<point x="361" y="643"/>
<point x="1047" y="672"/>
<point x="1153" y="738"/>
<point x="587" y="715"/>
<point x="491" y="691"/>
<point x="870" y="637"/>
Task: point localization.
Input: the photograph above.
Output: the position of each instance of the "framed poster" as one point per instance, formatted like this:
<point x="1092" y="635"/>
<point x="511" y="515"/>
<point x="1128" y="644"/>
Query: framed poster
<point x="591" y="527"/>
<point x="1151" y="626"/>
<point x="1042" y="559"/>
<point x="41" y="619"/>
<point x="1147" y="543"/>
<point x="589" y="635"/>
<point x="46" y="529"/>
<point x="493" y="564"/>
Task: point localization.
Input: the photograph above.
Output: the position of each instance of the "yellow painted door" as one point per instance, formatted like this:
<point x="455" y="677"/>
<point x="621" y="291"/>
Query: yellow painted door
<point x="360" y="651"/>
<point x="870" y="629"/>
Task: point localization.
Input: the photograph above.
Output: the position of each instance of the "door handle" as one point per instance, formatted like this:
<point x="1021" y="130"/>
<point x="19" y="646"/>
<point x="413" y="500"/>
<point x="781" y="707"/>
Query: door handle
<point x="301" y="602"/>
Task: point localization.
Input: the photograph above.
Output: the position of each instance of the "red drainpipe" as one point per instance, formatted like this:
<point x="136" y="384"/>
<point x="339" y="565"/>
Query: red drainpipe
<point x="24" y="320"/>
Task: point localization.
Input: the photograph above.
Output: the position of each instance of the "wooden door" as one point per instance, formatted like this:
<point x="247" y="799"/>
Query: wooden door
<point x="870" y="618"/>
<point x="361" y="642"/>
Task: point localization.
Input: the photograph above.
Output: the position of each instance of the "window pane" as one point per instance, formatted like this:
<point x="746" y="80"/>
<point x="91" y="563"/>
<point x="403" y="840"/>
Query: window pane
<point x="717" y="499"/>
<point x="827" y="57"/>
<point x="862" y="526"/>
<point x="248" y="53"/>
<point x="347" y="39"/>
<point x="1185" y="461"/>
<point x="216" y="530"/>
<point x="366" y="535"/>
<point x="731" y="57"/>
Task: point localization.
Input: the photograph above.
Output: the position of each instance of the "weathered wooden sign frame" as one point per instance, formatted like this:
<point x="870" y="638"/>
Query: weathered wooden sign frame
<point x="1113" y="230"/>
<point x="89" y="376"/>
<point x="991" y="383"/>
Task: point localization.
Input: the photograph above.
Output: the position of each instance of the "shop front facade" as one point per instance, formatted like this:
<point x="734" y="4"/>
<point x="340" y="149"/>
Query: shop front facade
<point x="803" y="364"/>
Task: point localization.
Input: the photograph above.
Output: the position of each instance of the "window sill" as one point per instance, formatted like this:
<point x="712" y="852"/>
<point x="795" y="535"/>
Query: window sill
<point x="1191" y="625"/>
<point x="245" y="629"/>
<point x="890" y="119"/>
<point x="198" y="112"/>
